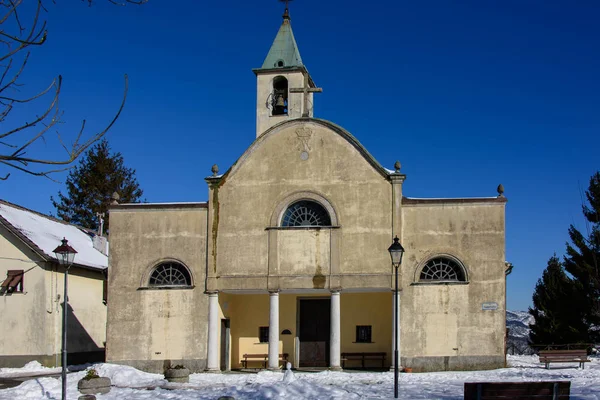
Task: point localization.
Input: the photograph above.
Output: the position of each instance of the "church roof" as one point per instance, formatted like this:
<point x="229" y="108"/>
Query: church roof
<point x="284" y="50"/>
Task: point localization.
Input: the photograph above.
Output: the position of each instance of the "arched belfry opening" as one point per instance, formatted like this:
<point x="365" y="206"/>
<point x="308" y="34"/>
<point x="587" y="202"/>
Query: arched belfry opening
<point x="280" y="96"/>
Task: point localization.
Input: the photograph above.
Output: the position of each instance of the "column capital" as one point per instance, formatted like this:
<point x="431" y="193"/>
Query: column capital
<point x="335" y="291"/>
<point x="274" y="292"/>
<point x="212" y="293"/>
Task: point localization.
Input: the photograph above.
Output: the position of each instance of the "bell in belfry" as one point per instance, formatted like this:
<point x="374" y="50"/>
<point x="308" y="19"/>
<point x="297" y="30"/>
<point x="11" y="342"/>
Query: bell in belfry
<point x="280" y="102"/>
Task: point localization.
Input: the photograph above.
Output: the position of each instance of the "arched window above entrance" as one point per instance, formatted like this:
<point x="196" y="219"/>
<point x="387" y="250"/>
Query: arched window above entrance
<point x="169" y="274"/>
<point x="306" y="213"/>
<point x="442" y="270"/>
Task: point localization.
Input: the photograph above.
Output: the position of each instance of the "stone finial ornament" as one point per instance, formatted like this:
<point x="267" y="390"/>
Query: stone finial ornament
<point x="115" y="198"/>
<point x="500" y="190"/>
<point x="397" y="166"/>
<point x="215" y="170"/>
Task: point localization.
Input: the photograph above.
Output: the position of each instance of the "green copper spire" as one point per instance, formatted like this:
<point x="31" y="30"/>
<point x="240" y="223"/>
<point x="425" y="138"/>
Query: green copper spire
<point x="284" y="50"/>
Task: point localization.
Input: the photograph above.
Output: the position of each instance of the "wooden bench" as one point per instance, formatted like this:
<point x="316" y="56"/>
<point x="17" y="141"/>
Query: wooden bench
<point x="263" y="358"/>
<point x="559" y="390"/>
<point x="364" y="356"/>
<point x="550" y="356"/>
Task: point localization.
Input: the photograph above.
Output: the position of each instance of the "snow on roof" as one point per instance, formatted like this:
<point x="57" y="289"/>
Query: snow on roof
<point x="47" y="232"/>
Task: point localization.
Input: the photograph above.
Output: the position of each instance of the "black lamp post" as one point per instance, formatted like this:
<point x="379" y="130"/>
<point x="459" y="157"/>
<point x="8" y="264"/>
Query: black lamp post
<point x="396" y="251"/>
<point x="65" y="255"/>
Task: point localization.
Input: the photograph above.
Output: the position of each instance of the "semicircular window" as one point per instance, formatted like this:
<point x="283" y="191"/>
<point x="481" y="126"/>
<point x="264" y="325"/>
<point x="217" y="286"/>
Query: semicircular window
<point x="306" y="213"/>
<point x="442" y="269"/>
<point x="170" y="274"/>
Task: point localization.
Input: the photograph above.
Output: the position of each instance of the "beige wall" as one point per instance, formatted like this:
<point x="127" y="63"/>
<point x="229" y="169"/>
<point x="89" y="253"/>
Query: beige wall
<point x="264" y="86"/>
<point x="269" y="176"/>
<point x="238" y="242"/>
<point x="447" y="320"/>
<point x="31" y="321"/>
<point x="148" y="328"/>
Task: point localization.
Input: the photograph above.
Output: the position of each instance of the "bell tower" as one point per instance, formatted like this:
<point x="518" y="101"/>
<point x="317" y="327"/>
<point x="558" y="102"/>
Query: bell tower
<point x="284" y="87"/>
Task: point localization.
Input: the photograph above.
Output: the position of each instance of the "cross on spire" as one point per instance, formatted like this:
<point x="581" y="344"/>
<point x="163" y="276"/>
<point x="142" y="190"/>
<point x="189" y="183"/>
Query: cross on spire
<point x="286" y="13"/>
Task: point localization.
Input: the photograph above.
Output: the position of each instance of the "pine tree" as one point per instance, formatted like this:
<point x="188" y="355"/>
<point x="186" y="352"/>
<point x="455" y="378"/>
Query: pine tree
<point x="583" y="256"/>
<point x="556" y="309"/>
<point x="91" y="184"/>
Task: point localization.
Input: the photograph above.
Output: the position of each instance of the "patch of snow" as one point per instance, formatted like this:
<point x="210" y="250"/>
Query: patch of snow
<point x="47" y="234"/>
<point x="127" y="381"/>
<point x="30" y="369"/>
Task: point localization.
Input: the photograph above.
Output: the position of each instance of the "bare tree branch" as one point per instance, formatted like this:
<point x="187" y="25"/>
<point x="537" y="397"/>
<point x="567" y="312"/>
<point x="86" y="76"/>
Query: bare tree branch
<point x="17" y="34"/>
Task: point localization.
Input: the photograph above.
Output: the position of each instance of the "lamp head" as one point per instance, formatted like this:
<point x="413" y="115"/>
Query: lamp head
<point x="396" y="252"/>
<point x="65" y="254"/>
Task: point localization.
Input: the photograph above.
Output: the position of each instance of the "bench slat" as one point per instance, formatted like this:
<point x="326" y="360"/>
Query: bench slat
<point x="362" y="357"/>
<point x="517" y="390"/>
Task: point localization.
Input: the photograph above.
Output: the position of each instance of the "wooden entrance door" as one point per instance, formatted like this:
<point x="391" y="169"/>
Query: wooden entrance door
<point x="314" y="332"/>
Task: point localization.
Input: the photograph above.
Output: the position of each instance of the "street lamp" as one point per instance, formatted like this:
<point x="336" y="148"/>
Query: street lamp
<point x="396" y="251"/>
<point x="65" y="255"/>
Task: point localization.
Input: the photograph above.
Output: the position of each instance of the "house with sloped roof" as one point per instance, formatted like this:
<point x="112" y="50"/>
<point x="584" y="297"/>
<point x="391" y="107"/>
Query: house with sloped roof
<point x="32" y="290"/>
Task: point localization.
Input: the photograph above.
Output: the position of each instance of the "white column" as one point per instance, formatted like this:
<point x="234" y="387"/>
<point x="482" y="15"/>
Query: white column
<point x="334" y="340"/>
<point x="394" y="333"/>
<point x="274" y="330"/>
<point x="212" y="363"/>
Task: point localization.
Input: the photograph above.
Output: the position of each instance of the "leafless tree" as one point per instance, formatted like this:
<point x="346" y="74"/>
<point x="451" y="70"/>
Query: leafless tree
<point x="18" y="35"/>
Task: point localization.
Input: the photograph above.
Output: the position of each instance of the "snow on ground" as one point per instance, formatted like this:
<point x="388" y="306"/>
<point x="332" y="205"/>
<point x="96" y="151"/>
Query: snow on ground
<point x="30" y="369"/>
<point x="128" y="383"/>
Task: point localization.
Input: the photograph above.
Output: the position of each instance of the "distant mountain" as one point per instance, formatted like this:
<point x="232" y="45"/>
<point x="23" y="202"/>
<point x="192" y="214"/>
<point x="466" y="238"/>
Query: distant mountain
<point x="517" y="323"/>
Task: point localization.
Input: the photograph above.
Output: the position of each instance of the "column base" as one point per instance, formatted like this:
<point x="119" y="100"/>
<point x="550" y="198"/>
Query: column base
<point x="400" y="368"/>
<point x="212" y="371"/>
<point x="273" y="369"/>
<point x="338" y="368"/>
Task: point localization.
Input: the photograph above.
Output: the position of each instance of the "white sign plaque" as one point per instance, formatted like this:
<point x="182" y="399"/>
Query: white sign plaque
<point x="490" y="305"/>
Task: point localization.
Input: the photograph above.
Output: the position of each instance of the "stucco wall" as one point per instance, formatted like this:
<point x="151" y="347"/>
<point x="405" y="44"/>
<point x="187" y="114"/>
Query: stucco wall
<point x="251" y="197"/>
<point x="32" y="320"/>
<point x="24" y="331"/>
<point x="444" y="325"/>
<point x="264" y="86"/>
<point x="151" y="328"/>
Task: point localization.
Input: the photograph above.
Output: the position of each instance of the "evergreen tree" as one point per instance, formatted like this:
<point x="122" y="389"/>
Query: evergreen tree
<point x="556" y="309"/>
<point x="91" y="184"/>
<point x="583" y="256"/>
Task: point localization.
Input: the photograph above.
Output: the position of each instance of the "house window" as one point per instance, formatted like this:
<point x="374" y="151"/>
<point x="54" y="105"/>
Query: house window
<point x="170" y="274"/>
<point x="442" y="269"/>
<point x="306" y="213"/>
<point x="13" y="282"/>
<point x="363" y="334"/>
<point x="263" y="334"/>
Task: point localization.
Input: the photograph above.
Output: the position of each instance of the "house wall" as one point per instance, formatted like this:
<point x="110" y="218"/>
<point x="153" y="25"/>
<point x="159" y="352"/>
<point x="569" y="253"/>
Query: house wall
<point x="32" y="320"/>
<point x="443" y="326"/>
<point x="151" y="328"/>
<point x="24" y="333"/>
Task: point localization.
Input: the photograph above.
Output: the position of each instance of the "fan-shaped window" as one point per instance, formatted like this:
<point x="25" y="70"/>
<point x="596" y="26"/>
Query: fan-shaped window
<point x="306" y="213"/>
<point x="442" y="269"/>
<point x="170" y="274"/>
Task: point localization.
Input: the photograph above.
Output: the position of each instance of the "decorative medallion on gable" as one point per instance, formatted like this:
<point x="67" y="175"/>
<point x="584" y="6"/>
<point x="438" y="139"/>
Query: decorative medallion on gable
<point x="304" y="135"/>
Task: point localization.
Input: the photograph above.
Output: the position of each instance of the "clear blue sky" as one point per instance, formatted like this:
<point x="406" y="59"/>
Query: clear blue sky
<point x="466" y="94"/>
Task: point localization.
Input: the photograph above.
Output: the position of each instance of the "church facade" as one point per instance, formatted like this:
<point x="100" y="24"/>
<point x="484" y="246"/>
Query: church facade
<point x="288" y="259"/>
